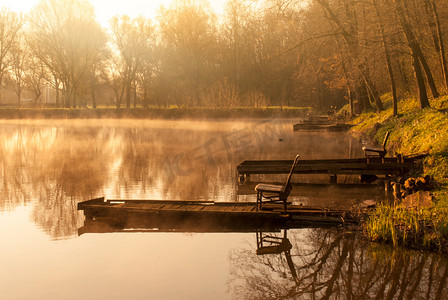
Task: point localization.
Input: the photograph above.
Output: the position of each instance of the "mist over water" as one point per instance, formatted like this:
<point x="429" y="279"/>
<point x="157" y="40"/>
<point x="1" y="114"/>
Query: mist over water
<point x="47" y="167"/>
<point x="186" y="160"/>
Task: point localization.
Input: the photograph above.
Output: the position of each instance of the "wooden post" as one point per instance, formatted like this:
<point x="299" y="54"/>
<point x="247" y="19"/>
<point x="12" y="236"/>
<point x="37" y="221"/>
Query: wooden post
<point x="285" y="204"/>
<point x="397" y="191"/>
<point x="333" y="179"/>
<point x="241" y="178"/>
<point x="388" y="191"/>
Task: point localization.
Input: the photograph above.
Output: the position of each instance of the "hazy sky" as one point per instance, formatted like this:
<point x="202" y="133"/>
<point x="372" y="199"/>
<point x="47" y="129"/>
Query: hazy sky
<point x="106" y="9"/>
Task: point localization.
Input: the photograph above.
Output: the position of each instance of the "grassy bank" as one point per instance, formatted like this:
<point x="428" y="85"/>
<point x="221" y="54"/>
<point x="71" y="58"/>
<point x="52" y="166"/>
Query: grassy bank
<point x="152" y="113"/>
<point x="413" y="131"/>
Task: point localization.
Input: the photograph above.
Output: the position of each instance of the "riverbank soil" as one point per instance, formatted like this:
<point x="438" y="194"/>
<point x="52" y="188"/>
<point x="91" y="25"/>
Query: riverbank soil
<point x="413" y="131"/>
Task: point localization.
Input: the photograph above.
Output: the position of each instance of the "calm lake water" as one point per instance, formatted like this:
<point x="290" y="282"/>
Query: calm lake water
<point x="48" y="166"/>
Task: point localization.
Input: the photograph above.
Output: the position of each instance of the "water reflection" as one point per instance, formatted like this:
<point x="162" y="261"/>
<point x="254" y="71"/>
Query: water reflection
<point x="330" y="264"/>
<point x="55" y="164"/>
<point x="271" y="244"/>
<point x="308" y="263"/>
<point x="50" y="166"/>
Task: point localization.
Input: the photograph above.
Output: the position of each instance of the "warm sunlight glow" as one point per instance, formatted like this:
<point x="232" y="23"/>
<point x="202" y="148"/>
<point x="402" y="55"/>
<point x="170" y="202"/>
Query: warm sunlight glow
<point x="19" y="6"/>
<point x="106" y="9"/>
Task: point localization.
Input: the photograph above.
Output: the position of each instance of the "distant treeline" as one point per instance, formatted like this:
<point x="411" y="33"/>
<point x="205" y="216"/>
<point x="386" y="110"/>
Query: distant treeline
<point x="317" y="53"/>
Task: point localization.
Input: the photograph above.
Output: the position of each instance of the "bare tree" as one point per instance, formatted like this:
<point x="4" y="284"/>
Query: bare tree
<point x="67" y="39"/>
<point x="19" y="55"/>
<point x="36" y="75"/>
<point x="189" y="37"/>
<point x="354" y="47"/>
<point x="438" y="39"/>
<point x="10" y="24"/>
<point x="415" y="50"/>
<point x="129" y="41"/>
<point x="115" y="75"/>
<point x="146" y="73"/>
<point x="387" y="56"/>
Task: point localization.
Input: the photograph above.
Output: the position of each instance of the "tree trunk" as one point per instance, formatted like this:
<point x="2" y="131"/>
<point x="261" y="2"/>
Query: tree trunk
<point x="429" y="78"/>
<point x="349" y="89"/>
<point x="67" y="96"/>
<point x="145" y="97"/>
<point x="388" y="60"/>
<point x="19" y="93"/>
<point x="56" y="86"/>
<point x="128" y="95"/>
<point x="419" y="52"/>
<point x="374" y="93"/>
<point x="134" y="94"/>
<point x="413" y="45"/>
<point x="117" y="101"/>
<point x="363" y="97"/>
<point x="423" y="95"/>
<point x="74" y="96"/>
<point x="93" y="98"/>
<point x="441" y="44"/>
<point x="351" y="102"/>
<point x="57" y="96"/>
<point x="353" y="46"/>
<point x="36" y="99"/>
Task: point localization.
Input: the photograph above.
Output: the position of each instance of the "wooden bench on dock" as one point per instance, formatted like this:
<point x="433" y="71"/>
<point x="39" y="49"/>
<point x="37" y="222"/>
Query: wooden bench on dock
<point x="371" y="152"/>
<point x="276" y="193"/>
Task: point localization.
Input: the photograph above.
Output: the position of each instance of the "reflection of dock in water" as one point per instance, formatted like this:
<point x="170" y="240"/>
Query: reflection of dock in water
<point x="290" y="264"/>
<point x="271" y="244"/>
<point x="116" y="215"/>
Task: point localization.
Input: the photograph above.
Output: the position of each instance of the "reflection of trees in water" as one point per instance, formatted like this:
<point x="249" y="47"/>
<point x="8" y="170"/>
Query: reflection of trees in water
<point x="167" y="162"/>
<point x="334" y="265"/>
<point x="52" y="169"/>
<point x="57" y="166"/>
<point x="200" y="164"/>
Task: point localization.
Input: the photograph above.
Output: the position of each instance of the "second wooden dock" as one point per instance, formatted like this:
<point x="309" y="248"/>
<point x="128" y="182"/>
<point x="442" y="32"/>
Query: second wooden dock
<point x="397" y="166"/>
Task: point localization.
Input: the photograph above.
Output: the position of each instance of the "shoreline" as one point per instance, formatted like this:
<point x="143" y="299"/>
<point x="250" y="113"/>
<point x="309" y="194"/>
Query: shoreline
<point x="151" y="113"/>
<point x="418" y="226"/>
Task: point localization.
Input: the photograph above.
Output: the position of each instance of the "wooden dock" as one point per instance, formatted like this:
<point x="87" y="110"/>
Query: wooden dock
<point x="215" y="216"/>
<point x="397" y="166"/>
<point x="322" y="123"/>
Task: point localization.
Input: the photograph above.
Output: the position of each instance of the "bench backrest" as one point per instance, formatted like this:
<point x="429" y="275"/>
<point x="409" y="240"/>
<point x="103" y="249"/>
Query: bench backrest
<point x="288" y="180"/>
<point x="385" y="140"/>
